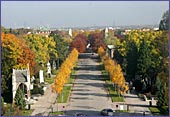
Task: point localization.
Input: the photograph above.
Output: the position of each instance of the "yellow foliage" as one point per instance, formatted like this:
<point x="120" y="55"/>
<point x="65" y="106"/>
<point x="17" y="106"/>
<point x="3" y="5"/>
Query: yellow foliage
<point x="64" y="71"/>
<point x="114" y="69"/>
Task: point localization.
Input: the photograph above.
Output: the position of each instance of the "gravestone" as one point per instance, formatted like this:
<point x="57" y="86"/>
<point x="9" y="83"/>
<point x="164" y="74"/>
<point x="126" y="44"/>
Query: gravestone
<point x="110" y="50"/>
<point x="54" y="64"/>
<point x="41" y="76"/>
<point x="48" y="69"/>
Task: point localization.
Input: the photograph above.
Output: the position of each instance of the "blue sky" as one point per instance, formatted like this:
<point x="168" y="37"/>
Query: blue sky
<point x="81" y="13"/>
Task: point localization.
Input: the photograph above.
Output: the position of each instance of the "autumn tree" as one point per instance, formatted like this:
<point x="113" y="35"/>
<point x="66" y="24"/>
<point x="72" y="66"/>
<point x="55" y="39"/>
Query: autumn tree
<point x="96" y="40"/>
<point x="80" y="43"/>
<point x="15" y="54"/>
<point x="115" y="72"/>
<point x="64" y="72"/>
<point x="42" y="46"/>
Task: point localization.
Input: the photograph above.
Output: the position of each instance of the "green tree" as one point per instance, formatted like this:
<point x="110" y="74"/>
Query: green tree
<point x="131" y="58"/>
<point x="164" y="23"/>
<point x="110" y="39"/>
<point x="144" y="61"/>
<point x="162" y="95"/>
<point x="61" y="46"/>
<point x="20" y="99"/>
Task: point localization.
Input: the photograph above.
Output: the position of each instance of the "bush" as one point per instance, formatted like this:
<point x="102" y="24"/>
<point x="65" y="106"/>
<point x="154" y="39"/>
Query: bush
<point x="37" y="81"/>
<point x="164" y="110"/>
<point x="37" y="90"/>
<point x="138" y="85"/>
<point x="54" y="71"/>
<point x="11" y="110"/>
<point x="20" y="99"/>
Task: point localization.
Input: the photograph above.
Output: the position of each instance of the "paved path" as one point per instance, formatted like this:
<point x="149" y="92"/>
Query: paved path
<point x="41" y="107"/>
<point x="137" y="106"/>
<point x="89" y="95"/>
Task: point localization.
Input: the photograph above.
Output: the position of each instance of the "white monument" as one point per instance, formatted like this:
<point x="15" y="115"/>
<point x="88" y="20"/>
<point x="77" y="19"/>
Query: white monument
<point x="48" y="69"/>
<point x="41" y="76"/>
<point x="106" y="32"/>
<point x="54" y="64"/>
<point x="110" y="50"/>
<point x="70" y="32"/>
<point x="21" y="77"/>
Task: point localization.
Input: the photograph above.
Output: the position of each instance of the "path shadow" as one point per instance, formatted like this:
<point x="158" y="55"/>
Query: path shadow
<point x="139" y="105"/>
<point x="86" y="112"/>
<point x="128" y="96"/>
<point x="90" y="76"/>
<point x="80" y="98"/>
<point x="94" y="94"/>
<point x="89" y="67"/>
<point x="80" y="89"/>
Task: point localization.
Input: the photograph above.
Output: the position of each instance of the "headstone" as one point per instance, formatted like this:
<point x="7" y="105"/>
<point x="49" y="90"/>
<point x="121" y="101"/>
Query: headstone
<point x="121" y="107"/>
<point x="31" y="86"/>
<point x="41" y="76"/>
<point x="48" y="69"/>
<point x="54" y="64"/>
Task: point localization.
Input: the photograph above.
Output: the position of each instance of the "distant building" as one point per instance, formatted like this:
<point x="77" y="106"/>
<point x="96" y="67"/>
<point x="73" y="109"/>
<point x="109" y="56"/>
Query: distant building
<point x="43" y="33"/>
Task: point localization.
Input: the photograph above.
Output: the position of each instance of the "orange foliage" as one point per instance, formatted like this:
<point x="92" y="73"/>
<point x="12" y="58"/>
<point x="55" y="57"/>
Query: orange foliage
<point x="18" y="51"/>
<point x="115" y="71"/>
<point x="64" y="72"/>
<point x="80" y="43"/>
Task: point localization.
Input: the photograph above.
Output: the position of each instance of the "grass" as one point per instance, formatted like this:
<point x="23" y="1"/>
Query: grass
<point x="26" y="112"/>
<point x="71" y="79"/>
<point x="121" y="111"/>
<point x="57" y="113"/>
<point x="49" y="80"/>
<point x="113" y="93"/>
<point x="63" y="97"/>
<point x="18" y="112"/>
<point x="155" y="110"/>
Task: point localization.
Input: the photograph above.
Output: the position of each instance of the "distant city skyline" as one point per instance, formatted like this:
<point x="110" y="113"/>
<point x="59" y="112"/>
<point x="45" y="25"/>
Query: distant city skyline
<point x="54" y="14"/>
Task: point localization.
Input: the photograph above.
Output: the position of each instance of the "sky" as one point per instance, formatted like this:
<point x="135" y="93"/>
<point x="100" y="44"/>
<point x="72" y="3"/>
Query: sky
<point x="81" y="13"/>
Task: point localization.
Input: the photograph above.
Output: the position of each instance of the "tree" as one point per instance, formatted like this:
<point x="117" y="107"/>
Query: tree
<point x="27" y="57"/>
<point x="144" y="62"/>
<point x="162" y="95"/>
<point x="110" y="39"/>
<point x="96" y="40"/>
<point x="131" y="58"/>
<point x="11" y="52"/>
<point x="64" y="72"/>
<point x="61" y="46"/>
<point x="79" y="42"/>
<point x="20" y="99"/>
<point x="115" y="71"/>
<point x="164" y="23"/>
<point x="42" y="46"/>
